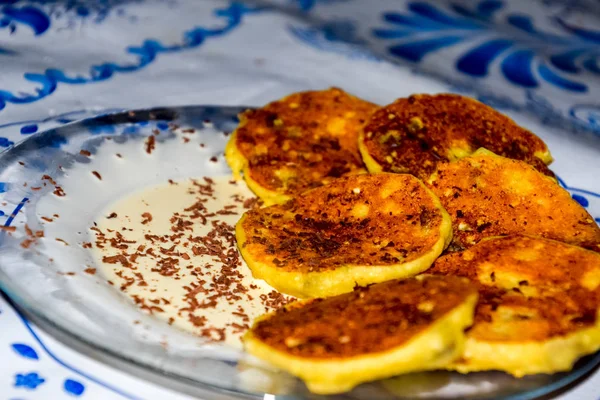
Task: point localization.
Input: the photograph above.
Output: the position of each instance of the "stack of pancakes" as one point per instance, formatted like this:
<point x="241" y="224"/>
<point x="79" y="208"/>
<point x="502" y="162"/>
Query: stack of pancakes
<point x="425" y="234"/>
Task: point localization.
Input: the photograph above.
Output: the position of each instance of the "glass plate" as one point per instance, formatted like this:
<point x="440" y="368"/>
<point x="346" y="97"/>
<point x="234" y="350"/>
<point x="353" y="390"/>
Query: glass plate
<point x="46" y="277"/>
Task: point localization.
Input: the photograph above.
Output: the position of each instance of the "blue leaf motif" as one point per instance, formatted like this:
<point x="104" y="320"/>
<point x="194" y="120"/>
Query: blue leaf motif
<point x="5" y="142"/>
<point x="428" y="27"/>
<point x="73" y="387"/>
<point x="476" y="61"/>
<point x="559" y="81"/>
<point x="580" y="199"/>
<point x="517" y="68"/>
<point x="29" y="129"/>
<point x="25" y="351"/>
<point x="35" y="18"/>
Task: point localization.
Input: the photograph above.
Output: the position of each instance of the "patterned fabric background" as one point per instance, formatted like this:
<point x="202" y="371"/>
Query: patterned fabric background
<point x="65" y="60"/>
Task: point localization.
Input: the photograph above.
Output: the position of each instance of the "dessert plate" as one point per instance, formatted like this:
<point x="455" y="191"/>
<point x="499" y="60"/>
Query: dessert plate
<point x="58" y="190"/>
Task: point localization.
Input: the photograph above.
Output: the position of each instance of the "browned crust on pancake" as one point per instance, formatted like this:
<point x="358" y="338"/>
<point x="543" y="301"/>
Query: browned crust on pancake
<point x="492" y="196"/>
<point x="414" y="134"/>
<point x="312" y="135"/>
<point x="369" y="320"/>
<point x="530" y="289"/>
<point x="319" y="230"/>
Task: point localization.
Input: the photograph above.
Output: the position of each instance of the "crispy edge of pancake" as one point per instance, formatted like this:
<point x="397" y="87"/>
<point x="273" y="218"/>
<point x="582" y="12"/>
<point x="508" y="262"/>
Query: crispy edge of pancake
<point x="374" y="167"/>
<point x="434" y="348"/>
<point x="520" y="359"/>
<point x="240" y="168"/>
<point x="484" y="152"/>
<point x="344" y="278"/>
<point x="528" y="358"/>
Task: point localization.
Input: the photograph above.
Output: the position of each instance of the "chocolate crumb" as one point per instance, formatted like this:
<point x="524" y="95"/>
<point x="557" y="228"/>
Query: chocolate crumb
<point x="207" y="264"/>
<point x="59" y="191"/>
<point x="97" y="175"/>
<point x="27" y="243"/>
<point x="150" y="144"/>
<point x="147" y="217"/>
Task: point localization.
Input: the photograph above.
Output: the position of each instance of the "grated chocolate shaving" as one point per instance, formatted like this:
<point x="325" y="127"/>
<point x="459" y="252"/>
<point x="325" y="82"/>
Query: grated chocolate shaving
<point x="180" y="252"/>
<point x="150" y="144"/>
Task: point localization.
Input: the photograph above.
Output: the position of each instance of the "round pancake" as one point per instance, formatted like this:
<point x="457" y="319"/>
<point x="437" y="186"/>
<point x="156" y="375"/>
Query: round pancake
<point x="488" y="195"/>
<point x="538" y="304"/>
<point x="302" y="141"/>
<point x="357" y="230"/>
<point x="413" y="135"/>
<point x="373" y="332"/>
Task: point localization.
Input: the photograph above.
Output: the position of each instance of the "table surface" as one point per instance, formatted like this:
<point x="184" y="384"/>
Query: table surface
<point x="69" y="59"/>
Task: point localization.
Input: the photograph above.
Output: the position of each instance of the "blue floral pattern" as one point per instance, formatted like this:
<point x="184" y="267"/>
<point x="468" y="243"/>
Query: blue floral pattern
<point x="34" y="18"/>
<point x="146" y="53"/>
<point x="526" y="52"/>
<point x="25" y="351"/>
<point x="33" y="380"/>
<point x="30" y="380"/>
<point x="73" y="387"/>
<point x="519" y="65"/>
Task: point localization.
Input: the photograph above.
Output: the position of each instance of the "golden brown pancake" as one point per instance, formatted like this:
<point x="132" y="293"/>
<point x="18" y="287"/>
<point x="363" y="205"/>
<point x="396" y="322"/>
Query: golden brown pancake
<point x="302" y="141"/>
<point x="415" y="134"/>
<point x="373" y="332"/>
<point x="360" y="229"/>
<point x="488" y="195"/>
<point x="538" y="304"/>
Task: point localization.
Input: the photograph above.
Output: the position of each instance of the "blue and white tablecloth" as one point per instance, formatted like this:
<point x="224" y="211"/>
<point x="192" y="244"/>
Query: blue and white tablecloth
<point x="64" y="60"/>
